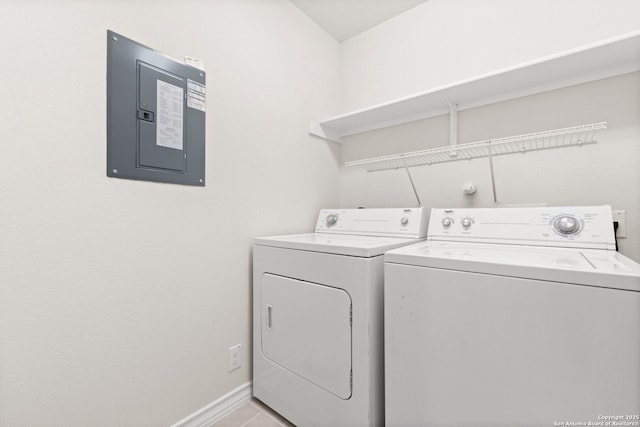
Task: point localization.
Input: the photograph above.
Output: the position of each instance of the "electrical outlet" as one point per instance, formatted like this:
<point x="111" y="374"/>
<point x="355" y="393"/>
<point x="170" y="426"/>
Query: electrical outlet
<point x="621" y="218"/>
<point x="235" y="357"/>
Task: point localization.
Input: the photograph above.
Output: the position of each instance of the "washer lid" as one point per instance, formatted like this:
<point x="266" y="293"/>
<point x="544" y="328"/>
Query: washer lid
<point x="579" y="266"/>
<point x="339" y="244"/>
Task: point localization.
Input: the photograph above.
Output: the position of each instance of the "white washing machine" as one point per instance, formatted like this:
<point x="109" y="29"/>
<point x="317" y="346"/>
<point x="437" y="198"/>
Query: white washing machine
<point x="317" y="315"/>
<point x="512" y="317"/>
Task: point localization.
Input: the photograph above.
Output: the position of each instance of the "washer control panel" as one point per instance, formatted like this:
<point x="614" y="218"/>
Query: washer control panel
<point x="574" y="226"/>
<point x="392" y="222"/>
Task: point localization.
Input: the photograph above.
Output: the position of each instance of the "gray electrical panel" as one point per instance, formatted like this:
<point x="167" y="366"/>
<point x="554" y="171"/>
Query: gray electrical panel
<point x="155" y="115"/>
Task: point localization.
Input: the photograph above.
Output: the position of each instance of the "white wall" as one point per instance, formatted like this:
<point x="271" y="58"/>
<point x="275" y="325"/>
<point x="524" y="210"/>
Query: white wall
<point x="444" y="41"/>
<point x="119" y="298"/>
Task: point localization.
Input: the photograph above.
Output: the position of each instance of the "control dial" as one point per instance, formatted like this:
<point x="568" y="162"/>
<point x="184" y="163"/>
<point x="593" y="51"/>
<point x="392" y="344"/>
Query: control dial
<point x="404" y="220"/>
<point x="446" y="222"/>
<point x="566" y="224"/>
<point x="466" y="222"/>
<point x="331" y="219"/>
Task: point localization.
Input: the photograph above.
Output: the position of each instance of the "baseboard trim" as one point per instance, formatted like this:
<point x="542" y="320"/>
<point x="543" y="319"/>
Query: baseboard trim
<point x="219" y="408"/>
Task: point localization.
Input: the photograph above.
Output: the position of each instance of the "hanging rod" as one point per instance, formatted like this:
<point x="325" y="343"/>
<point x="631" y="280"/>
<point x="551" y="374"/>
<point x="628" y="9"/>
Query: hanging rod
<point x="557" y="138"/>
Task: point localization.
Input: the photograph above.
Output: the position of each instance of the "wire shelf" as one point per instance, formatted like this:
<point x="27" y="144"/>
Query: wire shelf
<point x="565" y="137"/>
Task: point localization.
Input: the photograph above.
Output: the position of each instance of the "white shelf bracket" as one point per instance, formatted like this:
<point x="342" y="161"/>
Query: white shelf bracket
<point x="324" y="132"/>
<point x="415" y="192"/>
<point x="453" y="128"/>
<point x="493" y="179"/>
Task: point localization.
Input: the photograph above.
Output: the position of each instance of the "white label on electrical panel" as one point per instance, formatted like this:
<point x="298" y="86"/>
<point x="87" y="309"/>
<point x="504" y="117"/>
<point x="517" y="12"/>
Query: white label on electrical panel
<point x="194" y="62"/>
<point x="170" y="100"/>
<point x="196" y="95"/>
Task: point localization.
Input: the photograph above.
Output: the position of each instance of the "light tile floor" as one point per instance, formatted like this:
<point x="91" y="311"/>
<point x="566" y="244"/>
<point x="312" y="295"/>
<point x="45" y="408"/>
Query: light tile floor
<point x="252" y="414"/>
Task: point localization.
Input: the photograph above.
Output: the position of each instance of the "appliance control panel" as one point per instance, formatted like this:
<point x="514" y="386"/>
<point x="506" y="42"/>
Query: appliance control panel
<point x="391" y="222"/>
<point x="567" y="226"/>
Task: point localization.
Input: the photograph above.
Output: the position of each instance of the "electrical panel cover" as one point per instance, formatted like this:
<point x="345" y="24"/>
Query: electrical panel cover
<point x="155" y="115"/>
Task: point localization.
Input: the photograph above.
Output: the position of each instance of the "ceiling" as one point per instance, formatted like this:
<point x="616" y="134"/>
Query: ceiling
<point x="344" y="19"/>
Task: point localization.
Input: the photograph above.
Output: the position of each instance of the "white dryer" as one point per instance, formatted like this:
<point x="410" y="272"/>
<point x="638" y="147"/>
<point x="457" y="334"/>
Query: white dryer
<point x="317" y="315"/>
<point x="512" y="317"/>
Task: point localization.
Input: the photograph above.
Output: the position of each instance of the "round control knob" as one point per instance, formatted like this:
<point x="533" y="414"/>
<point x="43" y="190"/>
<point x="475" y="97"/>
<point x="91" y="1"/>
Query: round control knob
<point x="466" y="222"/>
<point x="566" y="224"/>
<point x="331" y="220"/>
<point x="446" y="222"/>
<point x="404" y="220"/>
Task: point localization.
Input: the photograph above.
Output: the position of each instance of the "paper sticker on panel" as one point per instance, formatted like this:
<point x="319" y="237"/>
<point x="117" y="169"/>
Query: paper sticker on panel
<point x="170" y="116"/>
<point x="196" y="95"/>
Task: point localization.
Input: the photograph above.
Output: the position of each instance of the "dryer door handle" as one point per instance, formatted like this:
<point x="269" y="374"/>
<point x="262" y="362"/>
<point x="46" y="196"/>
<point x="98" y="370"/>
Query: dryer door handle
<point x="269" y="317"/>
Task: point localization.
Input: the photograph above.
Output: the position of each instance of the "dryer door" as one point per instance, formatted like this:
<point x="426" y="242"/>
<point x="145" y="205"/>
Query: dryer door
<point x="306" y="329"/>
